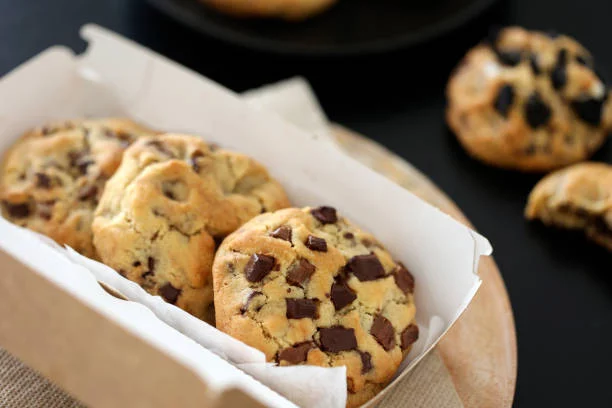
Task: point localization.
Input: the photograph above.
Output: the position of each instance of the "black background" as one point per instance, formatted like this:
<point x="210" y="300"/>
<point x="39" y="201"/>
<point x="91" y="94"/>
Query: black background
<point x="560" y="286"/>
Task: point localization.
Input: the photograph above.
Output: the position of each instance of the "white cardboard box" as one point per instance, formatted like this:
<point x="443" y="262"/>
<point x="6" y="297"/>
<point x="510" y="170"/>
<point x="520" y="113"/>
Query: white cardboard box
<point x="116" y="77"/>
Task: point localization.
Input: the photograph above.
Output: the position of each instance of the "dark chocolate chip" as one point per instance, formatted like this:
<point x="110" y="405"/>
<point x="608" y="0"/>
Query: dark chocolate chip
<point x="80" y="160"/>
<point x="252" y="295"/>
<point x="366" y="267"/>
<point x="283" y="232"/>
<point x="409" y="336"/>
<point x="169" y="194"/>
<point x="537" y="113"/>
<point x="533" y="63"/>
<point x="589" y="110"/>
<point x="151" y="264"/>
<point x="504" y="100"/>
<point x="558" y="76"/>
<point x="366" y="361"/>
<point x="300" y="273"/>
<point x="146" y="274"/>
<point x="337" y="338"/>
<point x="43" y="181"/>
<point x="302" y="308"/>
<point x="341" y="294"/>
<point x="403" y="278"/>
<point x="194" y="160"/>
<point x="296" y="354"/>
<point x="383" y="332"/>
<point x="510" y="58"/>
<point x="169" y="293"/>
<point x="162" y="148"/>
<point x="584" y="60"/>
<point x="88" y="192"/>
<point x="349" y="235"/>
<point x="316" y="244"/>
<point x="326" y="215"/>
<point x="17" y="210"/>
<point x="136" y="264"/>
<point x="258" y="267"/>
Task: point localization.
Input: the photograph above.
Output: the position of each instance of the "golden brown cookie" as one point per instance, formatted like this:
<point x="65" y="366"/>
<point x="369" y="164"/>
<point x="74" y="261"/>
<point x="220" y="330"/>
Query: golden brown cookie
<point x="578" y="197"/>
<point x="529" y="101"/>
<point x="285" y="9"/>
<point x="51" y="179"/>
<point x="308" y="287"/>
<point x="168" y="202"/>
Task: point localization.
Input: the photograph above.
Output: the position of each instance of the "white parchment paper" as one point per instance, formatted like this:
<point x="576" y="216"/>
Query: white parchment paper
<point x="441" y="253"/>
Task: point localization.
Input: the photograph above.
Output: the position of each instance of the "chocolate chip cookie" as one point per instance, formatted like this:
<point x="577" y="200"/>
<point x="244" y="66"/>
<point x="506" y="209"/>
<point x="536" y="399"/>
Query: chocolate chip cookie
<point x="528" y="100"/>
<point x="305" y="286"/>
<point x="285" y="9"/>
<point x="168" y="202"/>
<point x="52" y="178"/>
<point x="578" y="197"/>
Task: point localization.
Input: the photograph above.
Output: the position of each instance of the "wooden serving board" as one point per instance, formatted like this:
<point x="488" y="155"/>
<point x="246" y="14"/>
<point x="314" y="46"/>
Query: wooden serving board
<point x="480" y="349"/>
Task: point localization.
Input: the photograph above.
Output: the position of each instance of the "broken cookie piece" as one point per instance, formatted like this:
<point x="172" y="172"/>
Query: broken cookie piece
<point x="578" y="198"/>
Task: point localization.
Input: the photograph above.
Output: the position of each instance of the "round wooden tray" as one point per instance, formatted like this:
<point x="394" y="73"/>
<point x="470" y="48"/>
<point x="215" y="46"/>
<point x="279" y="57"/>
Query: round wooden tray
<point x="480" y="349"/>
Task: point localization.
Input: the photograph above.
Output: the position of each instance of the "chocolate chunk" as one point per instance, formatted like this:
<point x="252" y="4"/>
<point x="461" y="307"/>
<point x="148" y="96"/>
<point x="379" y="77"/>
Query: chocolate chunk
<point x="504" y="99"/>
<point x="258" y="267"/>
<point x="533" y="63"/>
<point x="589" y="110"/>
<point x="80" y="160"/>
<point x="558" y="76"/>
<point x="17" y="210"/>
<point x="326" y="215"/>
<point x="366" y="267"/>
<point x="136" y="264"/>
<point x="296" y="354"/>
<point x="383" y="332"/>
<point x="169" y="293"/>
<point x="43" y="181"/>
<point x="151" y="265"/>
<point x="316" y="243"/>
<point x="409" y="336"/>
<point x="283" y="232"/>
<point x="510" y="58"/>
<point x="87" y="192"/>
<point x="537" y="113"/>
<point x="584" y="60"/>
<point x="341" y="294"/>
<point x="194" y="160"/>
<point x="366" y="361"/>
<point x="300" y="273"/>
<point x="348" y="235"/>
<point x="302" y="308"/>
<point x="162" y="148"/>
<point x="403" y="278"/>
<point x="337" y="338"/>
<point x="252" y="295"/>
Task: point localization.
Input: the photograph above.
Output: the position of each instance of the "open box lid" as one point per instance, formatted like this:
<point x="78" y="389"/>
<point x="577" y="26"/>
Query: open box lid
<point x="130" y="80"/>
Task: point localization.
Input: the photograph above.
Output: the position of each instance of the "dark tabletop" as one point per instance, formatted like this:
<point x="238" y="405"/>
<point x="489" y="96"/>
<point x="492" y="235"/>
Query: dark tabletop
<point x="560" y="286"/>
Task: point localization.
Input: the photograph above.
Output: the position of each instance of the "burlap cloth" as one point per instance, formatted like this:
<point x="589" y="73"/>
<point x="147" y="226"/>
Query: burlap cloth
<point x="428" y="385"/>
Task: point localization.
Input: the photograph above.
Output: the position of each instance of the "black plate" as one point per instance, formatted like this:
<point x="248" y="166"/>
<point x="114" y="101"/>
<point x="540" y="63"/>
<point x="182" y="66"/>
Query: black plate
<point x="350" y="27"/>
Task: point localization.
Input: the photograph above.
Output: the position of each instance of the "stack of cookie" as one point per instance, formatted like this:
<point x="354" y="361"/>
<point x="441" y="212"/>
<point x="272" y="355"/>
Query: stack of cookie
<point x="533" y="101"/>
<point x="209" y="230"/>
